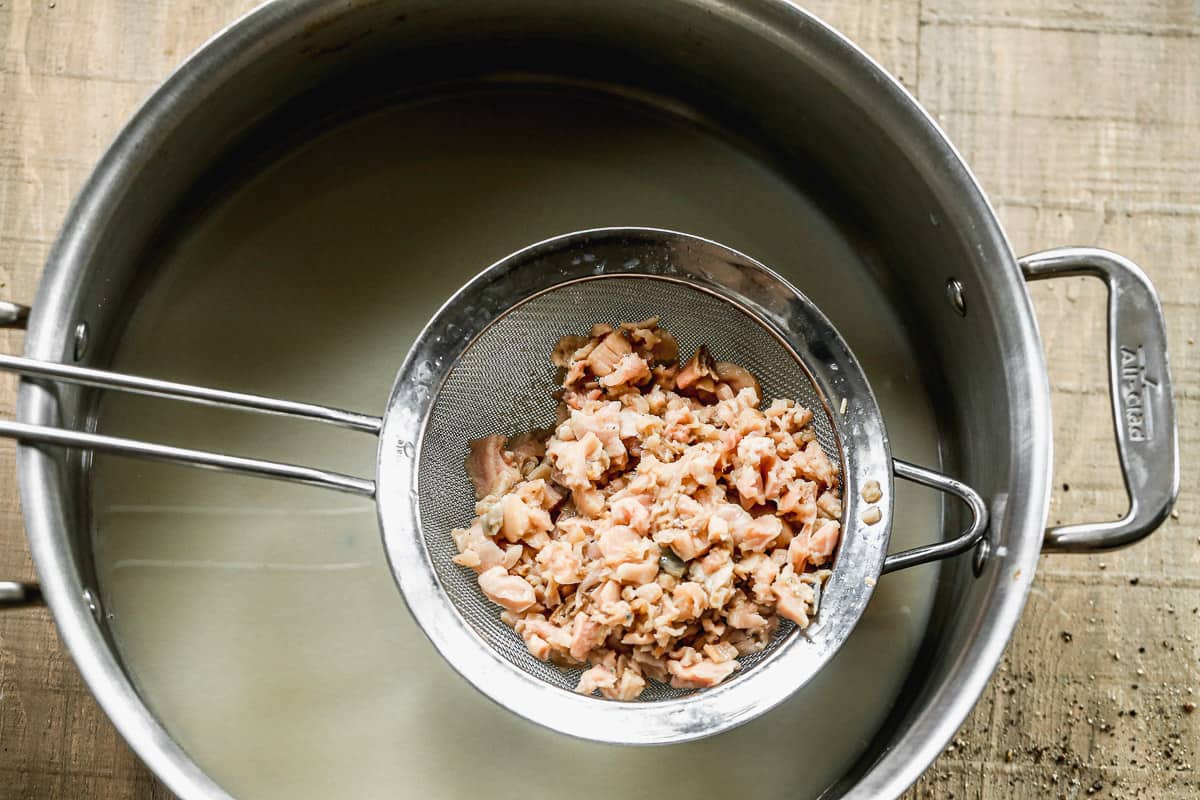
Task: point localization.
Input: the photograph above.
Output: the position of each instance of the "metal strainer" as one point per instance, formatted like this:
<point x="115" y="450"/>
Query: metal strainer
<point x="481" y="366"/>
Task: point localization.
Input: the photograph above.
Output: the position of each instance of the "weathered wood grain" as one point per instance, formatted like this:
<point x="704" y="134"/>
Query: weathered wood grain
<point x="1082" y="121"/>
<point x="1144" y="18"/>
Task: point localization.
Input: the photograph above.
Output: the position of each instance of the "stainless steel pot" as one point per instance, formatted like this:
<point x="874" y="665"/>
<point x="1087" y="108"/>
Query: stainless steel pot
<point x="764" y="70"/>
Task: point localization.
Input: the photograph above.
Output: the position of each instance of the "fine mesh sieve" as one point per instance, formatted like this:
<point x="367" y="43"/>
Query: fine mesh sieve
<point x="502" y="383"/>
<point x="481" y="366"/>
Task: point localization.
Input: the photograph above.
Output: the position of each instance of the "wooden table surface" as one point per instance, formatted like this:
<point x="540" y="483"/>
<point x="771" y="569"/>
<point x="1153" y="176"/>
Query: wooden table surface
<point x="1082" y="121"/>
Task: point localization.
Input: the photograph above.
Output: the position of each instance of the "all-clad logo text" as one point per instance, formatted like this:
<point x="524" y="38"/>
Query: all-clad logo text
<point x="1134" y="393"/>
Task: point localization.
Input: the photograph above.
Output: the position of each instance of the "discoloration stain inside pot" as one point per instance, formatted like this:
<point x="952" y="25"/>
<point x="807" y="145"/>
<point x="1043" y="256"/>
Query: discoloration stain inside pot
<point x="260" y="620"/>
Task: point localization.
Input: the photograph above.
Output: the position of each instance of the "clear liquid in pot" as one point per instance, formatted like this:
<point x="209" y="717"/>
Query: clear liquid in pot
<point x="260" y="620"/>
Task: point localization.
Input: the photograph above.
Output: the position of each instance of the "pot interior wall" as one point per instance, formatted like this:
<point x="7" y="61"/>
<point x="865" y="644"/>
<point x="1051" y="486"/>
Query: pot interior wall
<point x="725" y="69"/>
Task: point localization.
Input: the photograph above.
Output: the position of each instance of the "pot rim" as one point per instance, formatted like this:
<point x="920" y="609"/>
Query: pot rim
<point x="240" y="43"/>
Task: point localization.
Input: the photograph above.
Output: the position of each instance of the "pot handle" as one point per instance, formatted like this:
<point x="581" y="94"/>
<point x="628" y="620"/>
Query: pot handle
<point x="13" y="315"/>
<point x="16" y="594"/>
<point x="1139" y="381"/>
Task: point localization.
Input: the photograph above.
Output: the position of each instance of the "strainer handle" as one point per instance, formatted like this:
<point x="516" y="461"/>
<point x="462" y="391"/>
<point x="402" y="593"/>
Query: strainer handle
<point x="1139" y="380"/>
<point x="939" y="550"/>
<point x="203" y="395"/>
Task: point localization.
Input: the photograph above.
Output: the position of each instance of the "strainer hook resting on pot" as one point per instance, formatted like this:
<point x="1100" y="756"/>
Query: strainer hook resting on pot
<point x="480" y="367"/>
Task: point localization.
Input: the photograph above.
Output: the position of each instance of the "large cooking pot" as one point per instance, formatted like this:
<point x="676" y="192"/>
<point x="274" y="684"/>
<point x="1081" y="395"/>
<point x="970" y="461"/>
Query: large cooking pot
<point x="767" y="72"/>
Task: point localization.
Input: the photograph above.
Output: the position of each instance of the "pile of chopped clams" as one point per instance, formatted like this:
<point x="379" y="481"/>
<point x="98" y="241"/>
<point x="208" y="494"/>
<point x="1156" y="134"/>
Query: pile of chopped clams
<point x="664" y="527"/>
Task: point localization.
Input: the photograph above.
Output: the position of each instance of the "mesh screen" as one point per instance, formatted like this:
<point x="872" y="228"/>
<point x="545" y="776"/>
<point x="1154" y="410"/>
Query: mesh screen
<point x="503" y="384"/>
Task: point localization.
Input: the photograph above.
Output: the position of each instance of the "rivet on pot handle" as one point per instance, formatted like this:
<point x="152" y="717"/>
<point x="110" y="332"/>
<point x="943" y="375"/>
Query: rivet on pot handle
<point x="1140" y="384"/>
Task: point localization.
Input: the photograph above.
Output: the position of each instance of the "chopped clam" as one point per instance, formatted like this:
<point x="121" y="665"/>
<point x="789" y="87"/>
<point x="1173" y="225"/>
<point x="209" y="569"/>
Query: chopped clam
<point x="664" y="527"/>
